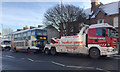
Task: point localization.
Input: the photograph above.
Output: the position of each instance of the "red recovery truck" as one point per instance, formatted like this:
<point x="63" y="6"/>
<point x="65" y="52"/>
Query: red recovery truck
<point x="94" y="40"/>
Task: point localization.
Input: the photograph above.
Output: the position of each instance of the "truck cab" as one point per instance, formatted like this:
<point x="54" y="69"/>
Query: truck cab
<point x="103" y="38"/>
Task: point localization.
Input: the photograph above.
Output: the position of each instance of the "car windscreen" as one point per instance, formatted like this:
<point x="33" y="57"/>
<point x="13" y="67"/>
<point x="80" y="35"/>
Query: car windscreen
<point x="7" y="42"/>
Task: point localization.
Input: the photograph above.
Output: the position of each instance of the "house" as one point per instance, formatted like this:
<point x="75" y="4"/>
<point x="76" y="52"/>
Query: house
<point x="104" y="13"/>
<point x="52" y="32"/>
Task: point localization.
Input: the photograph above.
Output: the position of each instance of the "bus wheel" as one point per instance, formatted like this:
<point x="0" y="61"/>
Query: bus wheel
<point x="14" y="50"/>
<point x="94" y="53"/>
<point x="28" y="50"/>
<point x="46" y="51"/>
<point x="53" y="51"/>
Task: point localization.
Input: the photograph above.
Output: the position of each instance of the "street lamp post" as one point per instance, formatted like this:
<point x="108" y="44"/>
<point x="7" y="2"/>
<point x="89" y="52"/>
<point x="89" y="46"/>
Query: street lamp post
<point x="1" y="30"/>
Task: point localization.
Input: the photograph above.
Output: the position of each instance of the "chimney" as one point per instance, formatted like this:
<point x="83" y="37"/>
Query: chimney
<point x="19" y="29"/>
<point x="24" y="28"/>
<point x="94" y="5"/>
<point x="40" y="25"/>
<point x="31" y="27"/>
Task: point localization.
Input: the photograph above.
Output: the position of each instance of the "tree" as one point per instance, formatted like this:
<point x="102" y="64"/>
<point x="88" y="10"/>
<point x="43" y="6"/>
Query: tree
<point x="7" y="31"/>
<point x="65" y="18"/>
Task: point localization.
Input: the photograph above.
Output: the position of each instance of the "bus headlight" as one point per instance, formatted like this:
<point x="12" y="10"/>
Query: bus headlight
<point x="40" y="37"/>
<point x="44" y="37"/>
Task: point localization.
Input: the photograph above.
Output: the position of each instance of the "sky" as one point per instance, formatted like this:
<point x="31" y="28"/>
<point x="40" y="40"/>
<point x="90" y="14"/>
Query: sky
<point x="17" y="15"/>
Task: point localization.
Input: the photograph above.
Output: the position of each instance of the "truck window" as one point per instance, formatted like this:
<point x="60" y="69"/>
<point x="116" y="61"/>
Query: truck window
<point x="111" y="32"/>
<point x="100" y="32"/>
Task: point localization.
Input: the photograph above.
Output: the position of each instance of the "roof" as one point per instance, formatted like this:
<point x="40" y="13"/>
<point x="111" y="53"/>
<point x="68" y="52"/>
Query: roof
<point x="109" y="9"/>
<point x="42" y="28"/>
<point x="100" y="25"/>
<point x="87" y="12"/>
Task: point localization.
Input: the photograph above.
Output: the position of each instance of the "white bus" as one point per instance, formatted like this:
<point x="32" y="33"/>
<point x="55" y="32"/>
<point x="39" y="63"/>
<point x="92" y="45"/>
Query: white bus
<point x="29" y="40"/>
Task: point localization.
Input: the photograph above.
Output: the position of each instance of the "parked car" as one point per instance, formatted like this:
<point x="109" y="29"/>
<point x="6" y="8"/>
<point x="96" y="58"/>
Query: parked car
<point x="6" y="45"/>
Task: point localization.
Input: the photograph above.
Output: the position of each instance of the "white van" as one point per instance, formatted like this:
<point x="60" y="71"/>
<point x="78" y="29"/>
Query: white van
<point x="6" y="45"/>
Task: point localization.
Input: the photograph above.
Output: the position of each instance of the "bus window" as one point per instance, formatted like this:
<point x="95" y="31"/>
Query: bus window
<point x="39" y="32"/>
<point x="33" y="32"/>
<point x="29" y="35"/>
<point x="19" y="35"/>
<point x="15" y="37"/>
<point x="44" y="33"/>
<point x="24" y="35"/>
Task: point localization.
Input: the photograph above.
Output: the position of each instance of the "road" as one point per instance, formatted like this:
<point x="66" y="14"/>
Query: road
<point x="32" y="61"/>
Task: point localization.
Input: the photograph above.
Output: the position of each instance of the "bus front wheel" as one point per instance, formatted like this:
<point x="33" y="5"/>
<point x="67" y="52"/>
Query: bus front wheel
<point x="28" y="50"/>
<point x="46" y="51"/>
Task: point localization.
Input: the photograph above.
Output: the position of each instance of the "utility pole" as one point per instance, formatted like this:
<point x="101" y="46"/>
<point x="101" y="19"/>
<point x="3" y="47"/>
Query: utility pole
<point x="63" y="27"/>
<point x="2" y="30"/>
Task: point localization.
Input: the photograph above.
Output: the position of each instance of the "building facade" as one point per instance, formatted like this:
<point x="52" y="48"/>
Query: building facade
<point x="104" y="13"/>
<point x="51" y="32"/>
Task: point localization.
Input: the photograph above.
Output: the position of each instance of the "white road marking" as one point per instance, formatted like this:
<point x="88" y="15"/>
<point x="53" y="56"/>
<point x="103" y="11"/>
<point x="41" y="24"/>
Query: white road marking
<point x="102" y="70"/>
<point x="116" y="58"/>
<point x="77" y="66"/>
<point x="99" y="69"/>
<point x="74" y="66"/>
<point x="117" y="55"/>
<point x="81" y="67"/>
<point x="58" y="63"/>
<point x="10" y="56"/>
<point x="22" y="58"/>
<point x="41" y="61"/>
<point x="30" y="59"/>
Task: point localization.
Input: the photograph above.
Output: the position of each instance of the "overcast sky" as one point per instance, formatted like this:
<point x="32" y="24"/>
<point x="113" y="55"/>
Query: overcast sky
<point x="19" y="14"/>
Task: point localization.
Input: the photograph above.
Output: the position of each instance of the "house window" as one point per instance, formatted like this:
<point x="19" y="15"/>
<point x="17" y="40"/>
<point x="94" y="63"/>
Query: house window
<point x="100" y="21"/>
<point x="115" y="22"/>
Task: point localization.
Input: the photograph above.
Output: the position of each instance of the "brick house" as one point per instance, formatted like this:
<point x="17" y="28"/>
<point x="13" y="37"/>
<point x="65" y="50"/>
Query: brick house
<point x="51" y="32"/>
<point x="104" y="13"/>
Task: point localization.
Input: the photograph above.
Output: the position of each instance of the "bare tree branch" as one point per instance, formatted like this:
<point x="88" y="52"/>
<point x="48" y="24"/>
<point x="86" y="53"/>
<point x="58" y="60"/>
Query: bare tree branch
<point x="66" y="19"/>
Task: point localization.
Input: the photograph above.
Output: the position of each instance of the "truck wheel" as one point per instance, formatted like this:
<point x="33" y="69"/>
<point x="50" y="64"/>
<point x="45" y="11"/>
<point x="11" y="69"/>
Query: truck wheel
<point x="94" y="53"/>
<point x="53" y="51"/>
<point x="46" y="51"/>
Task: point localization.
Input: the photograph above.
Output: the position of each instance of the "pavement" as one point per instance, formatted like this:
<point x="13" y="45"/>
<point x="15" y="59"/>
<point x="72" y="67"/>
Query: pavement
<point x="32" y="61"/>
